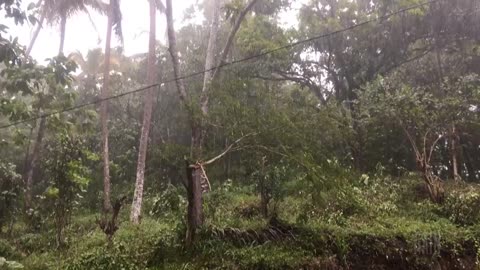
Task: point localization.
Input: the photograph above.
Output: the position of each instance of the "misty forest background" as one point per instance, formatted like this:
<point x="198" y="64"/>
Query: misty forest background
<point x="349" y="140"/>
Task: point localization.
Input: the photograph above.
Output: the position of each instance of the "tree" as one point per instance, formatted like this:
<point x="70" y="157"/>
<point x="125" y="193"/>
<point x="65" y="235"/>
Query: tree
<point x="147" y="116"/>
<point x="58" y="11"/>
<point x="114" y="21"/>
<point x="194" y="172"/>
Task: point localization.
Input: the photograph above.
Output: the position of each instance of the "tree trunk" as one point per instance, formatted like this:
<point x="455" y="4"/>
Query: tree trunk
<point x="63" y="26"/>
<point x="107" y="205"/>
<point x="434" y="186"/>
<point x="453" y="149"/>
<point x="433" y="183"/>
<point x="147" y="116"/>
<point x="471" y="172"/>
<point x="32" y="163"/>
<point x="37" y="31"/>
<point x="194" y="196"/>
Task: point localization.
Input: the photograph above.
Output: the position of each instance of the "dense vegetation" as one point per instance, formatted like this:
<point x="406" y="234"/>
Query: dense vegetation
<point x="350" y="140"/>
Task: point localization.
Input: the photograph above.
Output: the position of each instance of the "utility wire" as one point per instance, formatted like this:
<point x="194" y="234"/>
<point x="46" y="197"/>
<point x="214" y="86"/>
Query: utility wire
<point x="221" y="65"/>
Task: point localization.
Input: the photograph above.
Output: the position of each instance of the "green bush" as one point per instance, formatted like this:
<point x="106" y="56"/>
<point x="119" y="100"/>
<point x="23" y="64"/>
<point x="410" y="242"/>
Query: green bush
<point x="7" y="251"/>
<point x="41" y="261"/>
<point x="170" y="202"/>
<point x="35" y="242"/>
<point x="461" y="206"/>
<point x="9" y="265"/>
<point x="104" y="258"/>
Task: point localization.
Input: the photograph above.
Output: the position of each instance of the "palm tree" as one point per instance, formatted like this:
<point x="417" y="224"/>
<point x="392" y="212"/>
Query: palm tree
<point x="114" y="21"/>
<point x="58" y="11"/>
<point x="147" y="116"/>
<point x="93" y="63"/>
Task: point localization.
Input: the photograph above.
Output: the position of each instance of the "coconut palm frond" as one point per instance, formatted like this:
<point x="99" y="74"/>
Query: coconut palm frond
<point x="78" y="58"/>
<point x="98" y="5"/>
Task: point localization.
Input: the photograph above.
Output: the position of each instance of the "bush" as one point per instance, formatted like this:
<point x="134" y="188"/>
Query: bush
<point x="170" y="202"/>
<point x="7" y="251"/>
<point x="34" y="242"/>
<point x="461" y="206"/>
<point x="44" y="261"/>
<point x="104" y="258"/>
<point x="9" y="265"/>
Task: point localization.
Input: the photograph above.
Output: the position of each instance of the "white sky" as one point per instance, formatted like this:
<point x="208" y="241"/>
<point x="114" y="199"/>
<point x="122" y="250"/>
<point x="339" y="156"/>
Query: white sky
<point x="82" y="36"/>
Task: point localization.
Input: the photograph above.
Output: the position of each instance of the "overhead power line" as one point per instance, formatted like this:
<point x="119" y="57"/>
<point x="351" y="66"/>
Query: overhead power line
<point x="221" y="65"/>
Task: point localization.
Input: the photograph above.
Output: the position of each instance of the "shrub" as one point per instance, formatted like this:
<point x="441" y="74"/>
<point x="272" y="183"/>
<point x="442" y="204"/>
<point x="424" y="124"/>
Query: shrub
<point x="461" y="206"/>
<point x="7" y="251"/>
<point x="9" y="265"/>
<point x="171" y="201"/>
<point x="34" y="242"/>
<point x="103" y="258"/>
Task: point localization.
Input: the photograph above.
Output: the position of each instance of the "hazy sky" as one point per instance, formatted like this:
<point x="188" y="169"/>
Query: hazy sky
<point x="81" y="35"/>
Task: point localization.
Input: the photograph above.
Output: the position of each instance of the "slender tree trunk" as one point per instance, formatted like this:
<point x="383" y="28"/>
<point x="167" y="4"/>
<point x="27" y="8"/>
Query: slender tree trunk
<point x="471" y="172"/>
<point x="453" y="149"/>
<point x="264" y="194"/>
<point x="107" y="205"/>
<point x="32" y="163"/>
<point x="63" y="26"/>
<point x="26" y="162"/>
<point x="147" y="117"/>
<point x="37" y="30"/>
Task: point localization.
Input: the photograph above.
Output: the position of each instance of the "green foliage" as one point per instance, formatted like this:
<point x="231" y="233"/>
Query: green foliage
<point x="103" y="258"/>
<point x="7" y="251"/>
<point x="35" y="242"/>
<point x="10" y="191"/>
<point x="4" y="264"/>
<point x="171" y="202"/>
<point x="334" y="123"/>
<point x="461" y="206"/>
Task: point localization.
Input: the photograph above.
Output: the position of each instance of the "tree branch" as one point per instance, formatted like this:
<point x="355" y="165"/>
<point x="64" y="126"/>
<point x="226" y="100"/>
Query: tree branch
<point x="210" y="161"/>
<point x="231" y="36"/>
<point x="433" y="147"/>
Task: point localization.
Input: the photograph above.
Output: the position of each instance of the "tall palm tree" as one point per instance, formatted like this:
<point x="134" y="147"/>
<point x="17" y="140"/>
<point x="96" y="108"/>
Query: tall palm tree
<point x="114" y="22"/>
<point x="147" y="116"/>
<point x="58" y="11"/>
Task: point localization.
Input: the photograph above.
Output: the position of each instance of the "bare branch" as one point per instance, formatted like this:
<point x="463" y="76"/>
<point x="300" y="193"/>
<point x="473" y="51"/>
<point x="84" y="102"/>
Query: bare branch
<point x="232" y="34"/>
<point x="433" y="147"/>
<point x="227" y="149"/>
